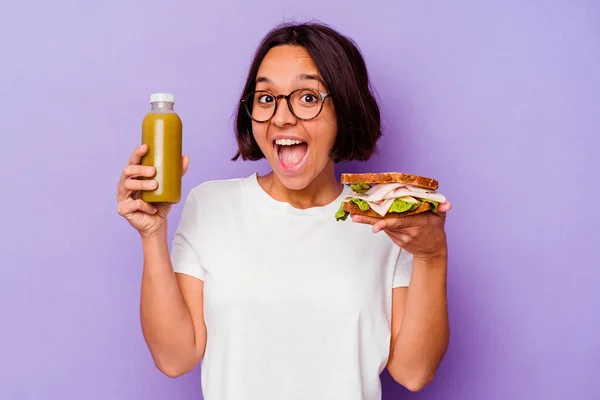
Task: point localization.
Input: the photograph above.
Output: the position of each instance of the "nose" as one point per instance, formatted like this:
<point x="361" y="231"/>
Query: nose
<point x="283" y="116"/>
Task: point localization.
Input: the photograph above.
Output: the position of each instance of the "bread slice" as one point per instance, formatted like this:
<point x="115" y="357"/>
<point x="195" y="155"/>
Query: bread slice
<point x="353" y="208"/>
<point x="391" y="177"/>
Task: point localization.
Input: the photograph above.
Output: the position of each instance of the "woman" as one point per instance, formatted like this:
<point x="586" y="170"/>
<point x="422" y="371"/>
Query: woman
<point x="274" y="296"/>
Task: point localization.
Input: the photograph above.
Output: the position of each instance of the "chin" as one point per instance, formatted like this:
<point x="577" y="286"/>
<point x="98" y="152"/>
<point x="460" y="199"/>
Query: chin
<point x="294" y="182"/>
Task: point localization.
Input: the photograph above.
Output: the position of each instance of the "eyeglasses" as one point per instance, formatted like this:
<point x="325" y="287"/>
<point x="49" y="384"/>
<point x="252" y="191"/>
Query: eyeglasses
<point x="304" y="104"/>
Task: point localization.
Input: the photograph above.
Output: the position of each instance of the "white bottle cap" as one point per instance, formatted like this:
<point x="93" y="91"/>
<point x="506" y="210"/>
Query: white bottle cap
<point x="162" y="98"/>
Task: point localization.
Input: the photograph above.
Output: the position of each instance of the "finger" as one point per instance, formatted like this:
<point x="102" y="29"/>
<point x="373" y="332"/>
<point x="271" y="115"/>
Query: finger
<point x="138" y="153"/>
<point x="444" y="207"/>
<point x="395" y="223"/>
<point x="122" y="193"/>
<point x="134" y="185"/>
<point x="362" y="219"/>
<point x="185" y="163"/>
<point x="441" y="214"/>
<point x="380" y="224"/>
<point x="131" y="171"/>
<point x="128" y="207"/>
<point x="141" y="205"/>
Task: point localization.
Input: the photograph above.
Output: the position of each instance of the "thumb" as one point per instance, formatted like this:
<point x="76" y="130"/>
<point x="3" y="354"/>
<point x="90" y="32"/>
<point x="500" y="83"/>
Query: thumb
<point x="185" y="163"/>
<point x="444" y="207"/>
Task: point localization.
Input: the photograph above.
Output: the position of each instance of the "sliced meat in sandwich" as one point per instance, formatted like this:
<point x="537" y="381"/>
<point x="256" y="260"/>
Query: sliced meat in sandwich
<point x="389" y="195"/>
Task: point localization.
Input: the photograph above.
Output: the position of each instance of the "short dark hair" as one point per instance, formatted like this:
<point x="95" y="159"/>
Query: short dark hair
<point x="344" y="72"/>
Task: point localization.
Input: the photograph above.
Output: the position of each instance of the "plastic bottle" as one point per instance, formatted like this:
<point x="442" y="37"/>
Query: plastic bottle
<point x="162" y="132"/>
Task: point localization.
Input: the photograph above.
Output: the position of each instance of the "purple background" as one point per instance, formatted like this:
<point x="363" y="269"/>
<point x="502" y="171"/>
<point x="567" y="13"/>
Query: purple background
<point x="500" y="102"/>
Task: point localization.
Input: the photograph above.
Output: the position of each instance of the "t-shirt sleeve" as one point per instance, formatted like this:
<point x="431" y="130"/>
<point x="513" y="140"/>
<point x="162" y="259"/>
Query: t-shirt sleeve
<point x="403" y="269"/>
<point x="184" y="251"/>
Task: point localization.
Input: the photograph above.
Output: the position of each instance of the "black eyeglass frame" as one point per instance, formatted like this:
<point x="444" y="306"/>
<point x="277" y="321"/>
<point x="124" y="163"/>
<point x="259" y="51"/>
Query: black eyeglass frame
<point x="287" y="97"/>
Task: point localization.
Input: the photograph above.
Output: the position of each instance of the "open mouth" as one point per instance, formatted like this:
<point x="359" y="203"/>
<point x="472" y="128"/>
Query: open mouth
<point x="290" y="152"/>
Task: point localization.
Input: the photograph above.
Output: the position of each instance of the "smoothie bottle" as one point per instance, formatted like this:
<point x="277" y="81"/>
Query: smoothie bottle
<point x="162" y="132"/>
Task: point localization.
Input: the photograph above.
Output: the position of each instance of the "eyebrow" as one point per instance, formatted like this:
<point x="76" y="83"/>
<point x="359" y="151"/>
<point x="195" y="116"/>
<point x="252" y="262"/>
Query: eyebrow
<point x="263" y="79"/>
<point x="310" y="77"/>
<point x="301" y="77"/>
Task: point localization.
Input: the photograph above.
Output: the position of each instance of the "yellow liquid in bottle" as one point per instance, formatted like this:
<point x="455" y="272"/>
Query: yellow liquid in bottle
<point x="162" y="132"/>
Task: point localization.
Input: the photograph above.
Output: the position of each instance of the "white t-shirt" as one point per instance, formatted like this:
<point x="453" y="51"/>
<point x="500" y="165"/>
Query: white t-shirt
<point x="297" y="305"/>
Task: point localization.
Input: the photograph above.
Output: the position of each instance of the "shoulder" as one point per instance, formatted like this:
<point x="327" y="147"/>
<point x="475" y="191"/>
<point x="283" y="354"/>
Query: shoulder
<point x="213" y="193"/>
<point x="219" y="187"/>
<point x="211" y="200"/>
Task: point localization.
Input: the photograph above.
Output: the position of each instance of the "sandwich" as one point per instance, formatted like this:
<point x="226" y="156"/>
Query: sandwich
<point x="389" y="195"/>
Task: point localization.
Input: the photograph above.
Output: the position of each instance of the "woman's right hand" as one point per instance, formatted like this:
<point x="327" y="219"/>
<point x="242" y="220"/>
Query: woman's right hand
<point x="147" y="218"/>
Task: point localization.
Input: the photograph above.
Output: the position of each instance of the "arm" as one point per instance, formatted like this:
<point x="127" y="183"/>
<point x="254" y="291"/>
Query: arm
<point x="420" y="328"/>
<point x="171" y="310"/>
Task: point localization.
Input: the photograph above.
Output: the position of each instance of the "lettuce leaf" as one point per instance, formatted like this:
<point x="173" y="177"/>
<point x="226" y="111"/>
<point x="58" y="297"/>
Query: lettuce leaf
<point x="400" y="206"/>
<point x="434" y="204"/>
<point x="341" y="214"/>
<point x="360" y="187"/>
<point x="362" y="204"/>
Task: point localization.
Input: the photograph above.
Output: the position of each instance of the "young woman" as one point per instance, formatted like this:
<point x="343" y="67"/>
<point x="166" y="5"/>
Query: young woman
<point x="276" y="298"/>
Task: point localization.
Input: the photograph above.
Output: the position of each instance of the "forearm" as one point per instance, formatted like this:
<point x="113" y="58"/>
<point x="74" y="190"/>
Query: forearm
<point x="166" y="321"/>
<point x="423" y="337"/>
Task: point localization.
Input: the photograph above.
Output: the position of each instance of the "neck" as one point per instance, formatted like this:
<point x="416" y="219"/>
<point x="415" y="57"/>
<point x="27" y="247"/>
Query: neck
<point x="320" y="191"/>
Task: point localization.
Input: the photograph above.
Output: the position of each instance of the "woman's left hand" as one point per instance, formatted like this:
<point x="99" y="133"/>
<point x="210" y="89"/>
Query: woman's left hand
<point x="422" y="234"/>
